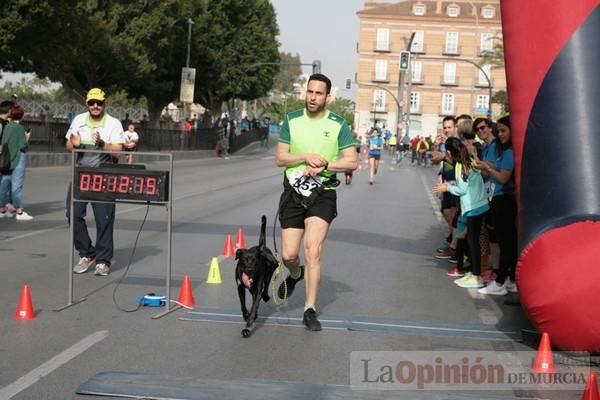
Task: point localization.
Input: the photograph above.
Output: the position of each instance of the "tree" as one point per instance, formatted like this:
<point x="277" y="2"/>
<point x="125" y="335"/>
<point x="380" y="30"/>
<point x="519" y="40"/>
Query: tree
<point x="501" y="97"/>
<point x="138" y="46"/>
<point x="289" y="72"/>
<point x="495" y="57"/>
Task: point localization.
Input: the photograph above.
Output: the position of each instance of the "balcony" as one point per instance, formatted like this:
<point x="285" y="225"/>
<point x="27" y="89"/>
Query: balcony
<point x="415" y="111"/>
<point x="451" y="50"/>
<point x="418" y="49"/>
<point x="382" y="47"/>
<point x="380" y="78"/>
<point x="485" y="51"/>
<point x="446" y="111"/>
<point x="449" y="81"/>
<point x="418" y="80"/>
<point x="379" y="108"/>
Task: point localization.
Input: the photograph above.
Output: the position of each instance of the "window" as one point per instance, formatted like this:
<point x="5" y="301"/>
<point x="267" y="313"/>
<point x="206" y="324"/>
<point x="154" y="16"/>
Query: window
<point x="415" y="102"/>
<point x="418" y="42"/>
<point x="416" y="71"/>
<point x="453" y="11"/>
<point x="488" y="12"/>
<point x="379" y="100"/>
<point x="482" y="102"/>
<point x="383" y="39"/>
<point x="486" y="43"/>
<point x="451" y="42"/>
<point x="488" y="71"/>
<point x="381" y="70"/>
<point x="450" y="73"/>
<point x="419" y="9"/>
<point x="448" y="103"/>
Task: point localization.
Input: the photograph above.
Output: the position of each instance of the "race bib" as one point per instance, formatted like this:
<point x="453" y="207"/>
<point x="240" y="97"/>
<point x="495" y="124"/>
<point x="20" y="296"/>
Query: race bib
<point x="305" y="185"/>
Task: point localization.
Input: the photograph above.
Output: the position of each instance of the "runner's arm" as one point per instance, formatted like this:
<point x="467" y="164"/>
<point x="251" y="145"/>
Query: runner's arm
<point x="283" y="158"/>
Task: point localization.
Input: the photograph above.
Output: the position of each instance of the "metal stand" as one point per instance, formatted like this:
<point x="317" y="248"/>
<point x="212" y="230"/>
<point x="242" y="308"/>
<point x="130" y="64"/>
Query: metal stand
<point x="168" y="204"/>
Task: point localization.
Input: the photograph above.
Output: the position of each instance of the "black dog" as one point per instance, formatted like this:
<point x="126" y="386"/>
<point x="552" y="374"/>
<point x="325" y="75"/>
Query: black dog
<point x="254" y="271"/>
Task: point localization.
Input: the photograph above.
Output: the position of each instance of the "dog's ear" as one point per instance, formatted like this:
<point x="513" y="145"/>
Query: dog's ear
<point x="238" y="253"/>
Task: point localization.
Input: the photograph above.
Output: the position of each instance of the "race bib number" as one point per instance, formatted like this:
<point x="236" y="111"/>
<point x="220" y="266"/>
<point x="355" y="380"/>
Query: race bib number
<point x="305" y="185"/>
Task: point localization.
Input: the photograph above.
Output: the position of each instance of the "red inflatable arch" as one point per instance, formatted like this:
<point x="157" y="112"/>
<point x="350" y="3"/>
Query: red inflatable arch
<point x="552" y="57"/>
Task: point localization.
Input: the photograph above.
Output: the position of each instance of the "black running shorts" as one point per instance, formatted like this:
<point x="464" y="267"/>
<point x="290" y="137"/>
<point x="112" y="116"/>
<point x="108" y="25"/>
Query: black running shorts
<point x="448" y="200"/>
<point x="292" y="213"/>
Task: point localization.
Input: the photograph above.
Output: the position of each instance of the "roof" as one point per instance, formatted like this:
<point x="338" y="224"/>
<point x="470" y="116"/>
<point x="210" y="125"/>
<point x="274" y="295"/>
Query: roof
<point x="405" y="9"/>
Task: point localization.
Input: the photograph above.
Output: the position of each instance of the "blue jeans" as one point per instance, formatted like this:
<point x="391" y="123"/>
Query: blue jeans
<point x="11" y="186"/>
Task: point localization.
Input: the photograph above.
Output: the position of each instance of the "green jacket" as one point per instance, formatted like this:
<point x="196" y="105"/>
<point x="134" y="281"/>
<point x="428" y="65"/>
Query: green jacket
<point x="13" y="137"/>
<point x="472" y="192"/>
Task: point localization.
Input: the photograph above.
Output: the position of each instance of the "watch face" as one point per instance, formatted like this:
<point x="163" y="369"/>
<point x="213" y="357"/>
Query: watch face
<point x="109" y="184"/>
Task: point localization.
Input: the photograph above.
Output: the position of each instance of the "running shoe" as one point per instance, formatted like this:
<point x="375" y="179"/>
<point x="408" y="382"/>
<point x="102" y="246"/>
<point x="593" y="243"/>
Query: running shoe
<point x="290" y="283"/>
<point x="494" y="288"/>
<point x="310" y="320"/>
<point x="102" y="269"/>
<point x="24" y="216"/>
<point x="472" y="281"/>
<point x="455" y="272"/>
<point x="446" y="254"/>
<point x="489" y="276"/>
<point x="84" y="264"/>
<point x="464" y="278"/>
<point x="511" y="286"/>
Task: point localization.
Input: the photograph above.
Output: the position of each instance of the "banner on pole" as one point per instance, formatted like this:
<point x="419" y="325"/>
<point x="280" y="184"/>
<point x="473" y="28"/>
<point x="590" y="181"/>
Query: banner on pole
<point x="188" y="79"/>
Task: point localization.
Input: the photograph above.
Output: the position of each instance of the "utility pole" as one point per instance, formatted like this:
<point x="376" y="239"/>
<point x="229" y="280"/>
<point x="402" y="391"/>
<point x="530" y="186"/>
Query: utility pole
<point x="401" y="87"/>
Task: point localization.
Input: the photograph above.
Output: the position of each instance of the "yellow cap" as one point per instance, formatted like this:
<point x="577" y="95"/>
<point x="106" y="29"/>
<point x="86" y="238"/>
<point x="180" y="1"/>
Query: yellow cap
<point x="95" y="94"/>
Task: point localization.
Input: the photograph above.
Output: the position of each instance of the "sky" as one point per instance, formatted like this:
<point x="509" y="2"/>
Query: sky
<point x="325" y="30"/>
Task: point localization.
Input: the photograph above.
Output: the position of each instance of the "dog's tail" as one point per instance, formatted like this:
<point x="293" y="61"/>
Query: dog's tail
<point x="262" y="240"/>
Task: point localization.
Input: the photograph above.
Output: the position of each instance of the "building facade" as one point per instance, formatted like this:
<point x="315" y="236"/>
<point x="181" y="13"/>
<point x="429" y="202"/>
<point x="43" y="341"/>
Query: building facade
<point x="445" y="76"/>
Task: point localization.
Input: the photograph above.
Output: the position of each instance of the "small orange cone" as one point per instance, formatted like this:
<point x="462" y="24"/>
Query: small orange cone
<point x="544" y="360"/>
<point x="25" y="307"/>
<point x="228" y="249"/>
<point x="186" y="297"/>
<point x="240" y="242"/>
<point x="591" y="388"/>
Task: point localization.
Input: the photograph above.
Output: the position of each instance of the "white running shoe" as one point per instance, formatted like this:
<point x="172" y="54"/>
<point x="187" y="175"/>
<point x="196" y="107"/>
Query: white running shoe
<point x="24" y="216"/>
<point x="494" y="288"/>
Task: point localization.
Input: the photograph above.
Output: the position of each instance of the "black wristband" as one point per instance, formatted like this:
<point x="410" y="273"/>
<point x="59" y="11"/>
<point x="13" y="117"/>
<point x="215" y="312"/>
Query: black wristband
<point x="326" y="165"/>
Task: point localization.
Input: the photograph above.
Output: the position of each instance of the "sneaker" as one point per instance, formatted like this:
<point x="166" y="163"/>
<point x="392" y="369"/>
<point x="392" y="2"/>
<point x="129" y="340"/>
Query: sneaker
<point x="472" y="281"/>
<point x="464" y="278"/>
<point x="24" y="216"/>
<point x="494" y="288"/>
<point x="446" y="254"/>
<point x="310" y="320"/>
<point x="511" y="286"/>
<point x="83" y="265"/>
<point x="489" y="276"/>
<point x="452" y="260"/>
<point x="102" y="269"/>
<point x="455" y="272"/>
<point x="290" y="283"/>
<point x="6" y="214"/>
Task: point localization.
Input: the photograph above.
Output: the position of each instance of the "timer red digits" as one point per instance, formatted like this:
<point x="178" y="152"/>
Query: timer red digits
<point x="110" y="184"/>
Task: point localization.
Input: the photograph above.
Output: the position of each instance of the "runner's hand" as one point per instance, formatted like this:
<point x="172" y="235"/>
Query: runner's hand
<point x="315" y="161"/>
<point x="76" y="139"/>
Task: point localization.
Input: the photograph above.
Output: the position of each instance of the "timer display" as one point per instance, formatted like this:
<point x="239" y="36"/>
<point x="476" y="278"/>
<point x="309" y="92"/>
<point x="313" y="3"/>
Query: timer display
<point x="109" y="184"/>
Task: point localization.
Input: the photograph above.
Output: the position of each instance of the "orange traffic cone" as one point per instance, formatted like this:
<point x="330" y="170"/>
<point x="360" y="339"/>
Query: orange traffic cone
<point x="228" y="249"/>
<point x="240" y="242"/>
<point x="591" y="388"/>
<point x="186" y="297"/>
<point x="25" y="307"/>
<point x="544" y="360"/>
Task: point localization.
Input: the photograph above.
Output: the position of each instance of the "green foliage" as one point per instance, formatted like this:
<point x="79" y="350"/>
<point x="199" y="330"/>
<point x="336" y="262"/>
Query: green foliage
<point x="139" y="46"/>
<point x="289" y="72"/>
<point x="501" y="97"/>
<point x="495" y="58"/>
<point x="343" y="107"/>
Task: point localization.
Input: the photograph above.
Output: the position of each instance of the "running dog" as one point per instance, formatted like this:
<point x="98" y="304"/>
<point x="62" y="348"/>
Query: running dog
<point x="254" y="271"/>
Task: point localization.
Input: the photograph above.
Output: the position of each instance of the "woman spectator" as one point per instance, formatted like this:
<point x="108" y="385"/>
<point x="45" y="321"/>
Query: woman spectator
<point x="470" y="188"/>
<point x="14" y="138"/>
<point x="503" y="208"/>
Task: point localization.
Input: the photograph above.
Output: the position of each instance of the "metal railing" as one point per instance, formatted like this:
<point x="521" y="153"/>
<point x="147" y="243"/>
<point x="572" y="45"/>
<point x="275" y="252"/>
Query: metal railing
<point x="50" y="137"/>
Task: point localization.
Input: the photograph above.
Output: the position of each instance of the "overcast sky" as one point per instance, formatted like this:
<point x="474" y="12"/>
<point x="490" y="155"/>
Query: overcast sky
<point x="325" y="30"/>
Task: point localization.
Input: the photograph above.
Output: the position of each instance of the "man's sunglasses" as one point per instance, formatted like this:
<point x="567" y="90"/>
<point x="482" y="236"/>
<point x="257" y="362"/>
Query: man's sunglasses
<point x="95" y="102"/>
<point x="482" y="127"/>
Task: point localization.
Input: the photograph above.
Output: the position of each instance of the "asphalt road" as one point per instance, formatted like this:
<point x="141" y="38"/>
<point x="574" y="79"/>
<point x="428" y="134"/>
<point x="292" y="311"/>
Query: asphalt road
<point x="382" y="291"/>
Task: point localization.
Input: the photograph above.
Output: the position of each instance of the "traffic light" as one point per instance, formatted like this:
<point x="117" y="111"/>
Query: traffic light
<point x="404" y="60"/>
<point x="316" y="67"/>
<point x="348" y="84"/>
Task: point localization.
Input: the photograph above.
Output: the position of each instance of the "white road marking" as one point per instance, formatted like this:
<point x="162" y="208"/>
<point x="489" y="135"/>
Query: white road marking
<point x="49" y="366"/>
<point x="434" y="203"/>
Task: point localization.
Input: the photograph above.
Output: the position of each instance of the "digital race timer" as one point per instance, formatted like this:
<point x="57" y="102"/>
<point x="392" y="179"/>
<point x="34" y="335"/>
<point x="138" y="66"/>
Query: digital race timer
<point x="118" y="183"/>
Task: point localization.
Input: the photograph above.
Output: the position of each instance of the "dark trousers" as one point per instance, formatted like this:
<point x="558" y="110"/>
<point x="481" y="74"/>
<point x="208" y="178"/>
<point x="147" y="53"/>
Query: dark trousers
<point x="472" y="246"/>
<point x="504" y="214"/>
<point x="104" y="215"/>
